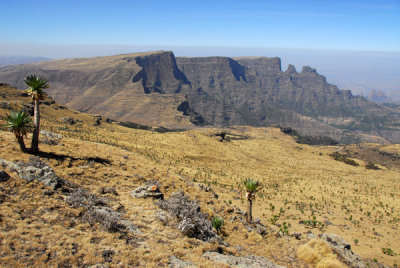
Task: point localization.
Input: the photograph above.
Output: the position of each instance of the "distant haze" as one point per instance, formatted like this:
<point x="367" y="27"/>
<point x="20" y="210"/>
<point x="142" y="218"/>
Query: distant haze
<point x="375" y="75"/>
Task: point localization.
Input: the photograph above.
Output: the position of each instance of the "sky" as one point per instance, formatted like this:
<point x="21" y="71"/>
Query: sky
<point x="357" y="40"/>
<point x="360" y="25"/>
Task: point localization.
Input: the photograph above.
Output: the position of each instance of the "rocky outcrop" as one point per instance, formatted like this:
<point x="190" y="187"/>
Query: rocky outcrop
<point x="192" y="222"/>
<point x="34" y="169"/>
<point x="343" y="250"/>
<point x="160" y="74"/>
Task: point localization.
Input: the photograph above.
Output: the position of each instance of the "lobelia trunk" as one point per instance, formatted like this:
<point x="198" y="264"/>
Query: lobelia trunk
<point x="21" y="142"/>
<point x="36" y="124"/>
<point x="249" y="210"/>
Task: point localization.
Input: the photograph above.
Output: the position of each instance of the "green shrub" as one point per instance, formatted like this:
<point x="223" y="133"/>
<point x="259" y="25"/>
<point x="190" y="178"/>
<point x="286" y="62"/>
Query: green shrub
<point x="388" y="251"/>
<point x="217" y="222"/>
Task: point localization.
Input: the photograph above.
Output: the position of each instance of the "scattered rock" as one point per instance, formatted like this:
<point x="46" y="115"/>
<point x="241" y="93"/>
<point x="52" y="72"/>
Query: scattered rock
<point x="49" y="102"/>
<point x="192" y="222"/>
<point x="139" y="177"/>
<point x="297" y="235"/>
<point x="10" y="165"/>
<point x="2" y="199"/>
<point x="68" y="120"/>
<point x="149" y="189"/>
<point x="249" y="261"/>
<point x="4" y="176"/>
<point x="99" y="265"/>
<point x="48" y="193"/>
<point x="5" y="105"/>
<point x="96" y="210"/>
<point x="110" y="190"/>
<point x="205" y="188"/>
<point x="97" y="118"/>
<point x="130" y="227"/>
<point x="107" y="190"/>
<point x="51" y="135"/>
<point x="108" y="218"/>
<point x="107" y="255"/>
<point x="29" y="109"/>
<point x="175" y="262"/>
<point x="50" y="138"/>
<point x="60" y="107"/>
<point x="163" y="217"/>
<point x="343" y="250"/>
<point x="35" y="169"/>
<point x="256" y="225"/>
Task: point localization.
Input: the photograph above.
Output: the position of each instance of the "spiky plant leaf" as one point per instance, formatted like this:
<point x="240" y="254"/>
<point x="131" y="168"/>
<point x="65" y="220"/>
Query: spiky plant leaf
<point x="36" y="86"/>
<point x="251" y="185"/>
<point x="20" y="123"/>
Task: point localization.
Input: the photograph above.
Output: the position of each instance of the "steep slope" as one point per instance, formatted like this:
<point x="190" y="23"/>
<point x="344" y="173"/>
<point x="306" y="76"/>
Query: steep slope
<point x="158" y="89"/>
<point x="255" y="91"/>
<point x="111" y="86"/>
<point x="304" y="189"/>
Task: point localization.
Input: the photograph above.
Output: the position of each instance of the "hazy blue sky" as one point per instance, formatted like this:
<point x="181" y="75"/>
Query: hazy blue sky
<point x="355" y="43"/>
<point x="367" y="25"/>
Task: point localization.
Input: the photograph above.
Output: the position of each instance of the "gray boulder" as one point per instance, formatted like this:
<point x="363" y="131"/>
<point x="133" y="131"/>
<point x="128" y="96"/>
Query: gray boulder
<point x="192" y="222"/>
<point x="249" y="261"/>
<point x="50" y="137"/>
<point x="149" y="189"/>
<point x="35" y="169"/>
<point x="175" y="262"/>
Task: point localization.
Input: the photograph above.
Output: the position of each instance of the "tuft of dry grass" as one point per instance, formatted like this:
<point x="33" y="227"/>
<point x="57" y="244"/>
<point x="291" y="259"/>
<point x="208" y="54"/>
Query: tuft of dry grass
<point x="318" y="253"/>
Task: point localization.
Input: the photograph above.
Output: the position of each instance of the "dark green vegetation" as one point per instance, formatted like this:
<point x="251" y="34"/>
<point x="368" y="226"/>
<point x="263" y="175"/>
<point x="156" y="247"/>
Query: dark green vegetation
<point x="217" y="222"/>
<point x="20" y="124"/>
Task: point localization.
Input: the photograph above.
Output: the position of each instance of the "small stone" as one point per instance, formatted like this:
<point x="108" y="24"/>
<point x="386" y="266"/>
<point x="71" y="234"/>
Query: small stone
<point x="110" y="190"/>
<point x="5" y="105"/>
<point x="4" y="176"/>
<point x="107" y="255"/>
<point x="68" y="120"/>
<point x="297" y="236"/>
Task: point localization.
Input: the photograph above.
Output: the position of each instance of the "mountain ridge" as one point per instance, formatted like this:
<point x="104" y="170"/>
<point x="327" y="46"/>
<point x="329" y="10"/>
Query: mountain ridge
<point x="157" y="88"/>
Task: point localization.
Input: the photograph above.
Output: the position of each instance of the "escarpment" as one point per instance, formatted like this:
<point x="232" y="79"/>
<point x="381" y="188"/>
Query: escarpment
<point x="155" y="88"/>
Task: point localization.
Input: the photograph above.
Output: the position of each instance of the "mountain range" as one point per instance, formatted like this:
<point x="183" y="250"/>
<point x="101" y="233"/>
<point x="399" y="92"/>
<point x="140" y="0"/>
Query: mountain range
<point x="12" y="60"/>
<point x="157" y="88"/>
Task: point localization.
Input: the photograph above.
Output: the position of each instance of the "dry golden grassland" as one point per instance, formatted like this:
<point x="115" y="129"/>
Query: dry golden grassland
<point x="303" y="189"/>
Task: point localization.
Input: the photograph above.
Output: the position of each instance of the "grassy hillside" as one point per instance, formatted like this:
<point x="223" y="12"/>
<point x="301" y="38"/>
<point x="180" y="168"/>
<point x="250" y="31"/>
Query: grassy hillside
<point x="303" y="187"/>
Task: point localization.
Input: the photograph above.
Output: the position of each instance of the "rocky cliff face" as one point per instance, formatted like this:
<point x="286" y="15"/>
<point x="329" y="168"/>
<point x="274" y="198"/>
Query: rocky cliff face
<point x="159" y="89"/>
<point x="160" y="74"/>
